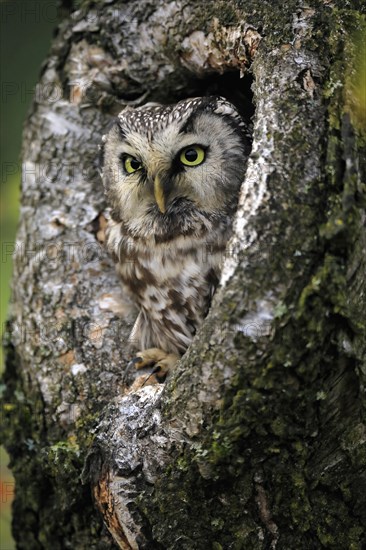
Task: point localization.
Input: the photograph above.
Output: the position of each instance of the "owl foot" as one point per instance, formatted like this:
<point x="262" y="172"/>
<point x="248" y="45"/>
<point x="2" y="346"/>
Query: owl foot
<point x="161" y="361"/>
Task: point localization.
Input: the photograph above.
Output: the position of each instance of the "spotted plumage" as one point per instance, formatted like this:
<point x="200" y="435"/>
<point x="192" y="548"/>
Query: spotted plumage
<point x="172" y="174"/>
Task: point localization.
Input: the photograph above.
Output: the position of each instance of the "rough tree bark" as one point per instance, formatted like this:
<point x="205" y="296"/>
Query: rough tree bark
<point x="257" y="440"/>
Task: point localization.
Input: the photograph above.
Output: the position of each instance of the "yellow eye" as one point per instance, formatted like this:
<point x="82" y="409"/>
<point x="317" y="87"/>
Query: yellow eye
<point x="192" y="155"/>
<point x="131" y="164"/>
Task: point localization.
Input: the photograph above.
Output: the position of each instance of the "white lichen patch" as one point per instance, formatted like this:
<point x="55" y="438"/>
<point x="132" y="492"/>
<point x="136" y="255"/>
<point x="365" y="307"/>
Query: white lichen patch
<point x="131" y="405"/>
<point x="67" y="413"/>
<point x="253" y="194"/>
<point x="61" y="126"/>
<point x="257" y="324"/>
<point x="30" y="172"/>
<point x="139" y="417"/>
<point x="78" y="368"/>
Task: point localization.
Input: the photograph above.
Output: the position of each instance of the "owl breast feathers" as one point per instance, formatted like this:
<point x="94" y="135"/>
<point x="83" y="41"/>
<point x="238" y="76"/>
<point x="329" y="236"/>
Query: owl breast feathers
<point x="172" y="176"/>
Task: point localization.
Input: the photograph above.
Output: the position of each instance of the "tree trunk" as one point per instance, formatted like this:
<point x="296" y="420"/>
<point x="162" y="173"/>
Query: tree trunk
<point x="257" y="439"/>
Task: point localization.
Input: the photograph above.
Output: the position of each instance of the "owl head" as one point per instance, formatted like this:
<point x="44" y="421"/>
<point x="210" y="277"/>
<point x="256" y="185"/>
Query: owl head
<point x="166" y="167"/>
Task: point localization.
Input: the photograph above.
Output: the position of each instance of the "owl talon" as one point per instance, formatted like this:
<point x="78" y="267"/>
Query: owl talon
<point x="161" y="361"/>
<point x="135" y="362"/>
<point x="130" y="365"/>
<point x="155" y="356"/>
<point x="160" y="372"/>
<point x="155" y="377"/>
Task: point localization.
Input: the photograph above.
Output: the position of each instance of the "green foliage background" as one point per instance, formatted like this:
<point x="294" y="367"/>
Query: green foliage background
<point x="25" y="34"/>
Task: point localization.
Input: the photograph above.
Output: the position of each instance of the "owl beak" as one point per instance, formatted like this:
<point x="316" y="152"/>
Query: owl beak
<point x="159" y="194"/>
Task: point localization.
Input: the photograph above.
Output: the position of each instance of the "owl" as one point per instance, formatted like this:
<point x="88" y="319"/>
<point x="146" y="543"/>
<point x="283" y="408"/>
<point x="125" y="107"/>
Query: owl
<point x="172" y="175"/>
